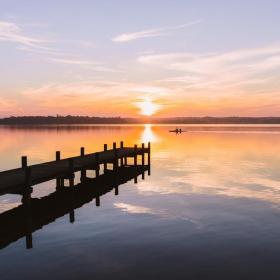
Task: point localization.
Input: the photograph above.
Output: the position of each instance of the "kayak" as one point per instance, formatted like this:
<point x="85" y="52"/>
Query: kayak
<point x="177" y="131"/>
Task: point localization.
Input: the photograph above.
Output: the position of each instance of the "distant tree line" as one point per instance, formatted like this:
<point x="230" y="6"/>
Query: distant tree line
<point x="61" y="120"/>
<point x="219" y="120"/>
<point x="49" y="120"/>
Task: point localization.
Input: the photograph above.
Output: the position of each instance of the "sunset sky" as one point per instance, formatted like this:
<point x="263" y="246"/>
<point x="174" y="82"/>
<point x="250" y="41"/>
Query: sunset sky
<point x="133" y="58"/>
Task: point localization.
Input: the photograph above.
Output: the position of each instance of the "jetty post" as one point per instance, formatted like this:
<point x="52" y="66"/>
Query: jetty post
<point x="122" y="159"/>
<point x="23" y="161"/>
<point x="57" y="156"/>
<point x="27" y="204"/>
<point x="143" y="160"/>
<point x="135" y="154"/>
<point x="149" y="158"/>
<point x="135" y="162"/>
<point x="97" y="201"/>
<point x="83" y="170"/>
<point x="143" y="154"/>
<point x="58" y="179"/>
<point x="97" y="164"/>
<point x="105" y="163"/>
<point x="115" y="161"/>
<point x="71" y="205"/>
<point x="71" y="175"/>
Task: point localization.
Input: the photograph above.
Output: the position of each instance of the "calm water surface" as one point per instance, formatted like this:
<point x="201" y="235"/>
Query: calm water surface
<point x="209" y="210"/>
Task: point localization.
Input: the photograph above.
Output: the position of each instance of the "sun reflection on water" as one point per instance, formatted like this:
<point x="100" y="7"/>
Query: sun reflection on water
<point x="148" y="135"/>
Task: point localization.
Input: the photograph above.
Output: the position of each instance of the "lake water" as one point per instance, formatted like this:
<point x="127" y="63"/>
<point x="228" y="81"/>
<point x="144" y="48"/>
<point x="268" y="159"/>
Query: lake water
<point x="209" y="210"/>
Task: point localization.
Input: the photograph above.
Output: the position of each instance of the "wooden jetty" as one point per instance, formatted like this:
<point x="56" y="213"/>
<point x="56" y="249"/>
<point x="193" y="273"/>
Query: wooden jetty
<point x="35" y="213"/>
<point x="19" y="180"/>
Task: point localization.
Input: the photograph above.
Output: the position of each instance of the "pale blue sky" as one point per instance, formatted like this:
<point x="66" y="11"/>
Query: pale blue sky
<point x="72" y="56"/>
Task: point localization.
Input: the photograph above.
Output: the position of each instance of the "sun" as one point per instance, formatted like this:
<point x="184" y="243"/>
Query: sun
<point x="147" y="107"/>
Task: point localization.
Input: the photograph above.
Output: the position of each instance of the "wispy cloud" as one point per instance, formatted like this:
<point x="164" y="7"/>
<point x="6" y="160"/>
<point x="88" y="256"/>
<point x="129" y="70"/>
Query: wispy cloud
<point x="74" y="61"/>
<point x="218" y="70"/>
<point x="11" y="32"/>
<point x="155" y="32"/>
<point x="89" y="64"/>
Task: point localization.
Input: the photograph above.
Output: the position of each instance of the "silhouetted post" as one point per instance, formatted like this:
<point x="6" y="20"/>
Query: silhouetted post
<point x="23" y="161"/>
<point x="117" y="190"/>
<point x="72" y="216"/>
<point x="83" y="171"/>
<point x="149" y="153"/>
<point x="105" y="163"/>
<point x="28" y="237"/>
<point x="58" y="183"/>
<point x="122" y="159"/>
<point x="58" y="180"/>
<point x="97" y="201"/>
<point x="97" y="164"/>
<point x="143" y="154"/>
<point x="71" y="181"/>
<point x="27" y="190"/>
<point x="24" y="164"/>
<point x="125" y="161"/>
<point x="116" y="163"/>
<point x="83" y="174"/>
<point x="71" y="165"/>
<point x="57" y="155"/>
<point x="71" y="210"/>
<point x="71" y="172"/>
<point x="135" y="178"/>
<point x="26" y="201"/>
<point x="27" y="182"/>
<point x="149" y="158"/>
<point x="135" y="154"/>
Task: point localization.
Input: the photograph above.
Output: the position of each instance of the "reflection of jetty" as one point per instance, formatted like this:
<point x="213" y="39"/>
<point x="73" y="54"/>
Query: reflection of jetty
<point x="34" y="213"/>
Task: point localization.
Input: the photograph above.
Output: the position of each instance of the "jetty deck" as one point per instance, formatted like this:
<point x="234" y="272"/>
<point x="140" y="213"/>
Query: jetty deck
<point x="18" y="180"/>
